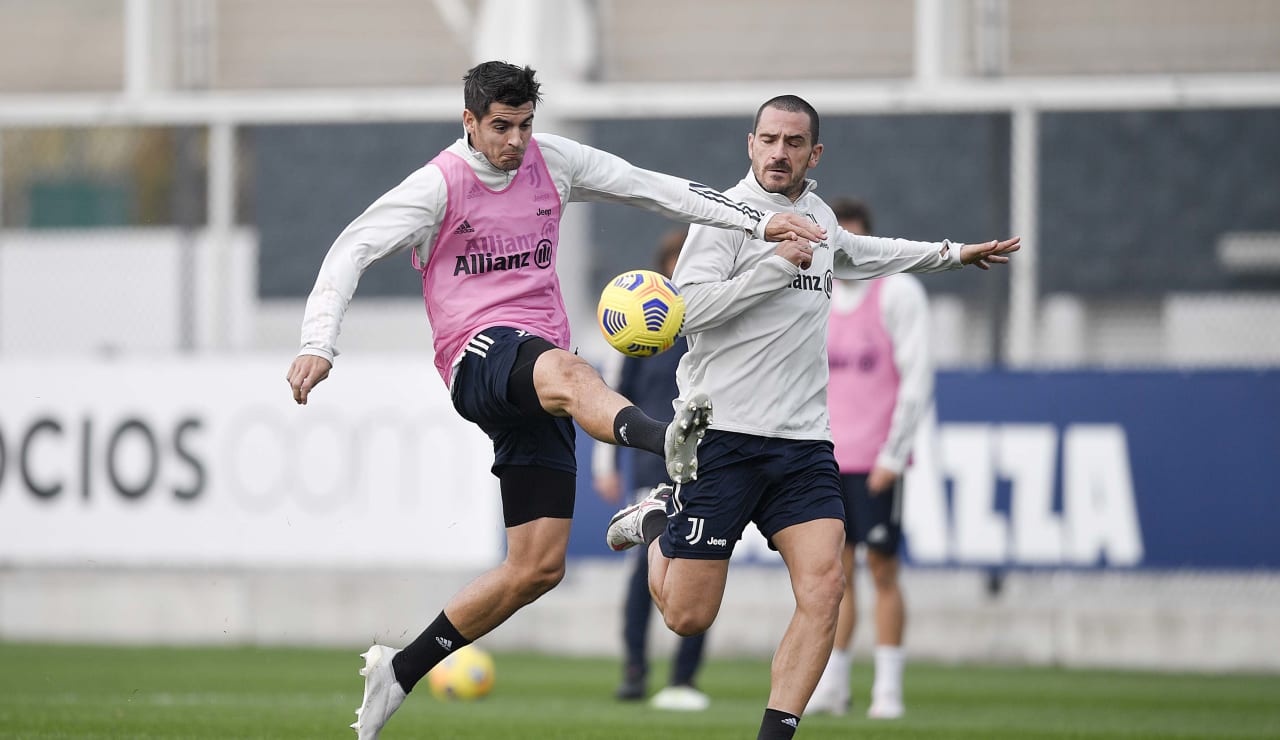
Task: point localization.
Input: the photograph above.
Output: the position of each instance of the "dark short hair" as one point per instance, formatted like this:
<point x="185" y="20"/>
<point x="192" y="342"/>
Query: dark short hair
<point x="791" y="104"/>
<point x="670" y="245"/>
<point x="499" y="82"/>
<point x="852" y="209"/>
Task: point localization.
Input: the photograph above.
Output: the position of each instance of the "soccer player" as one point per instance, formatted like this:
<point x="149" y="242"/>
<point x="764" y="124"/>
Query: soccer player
<point x="756" y="320"/>
<point x="481" y="223"/>
<point x="651" y="383"/>
<point x="881" y="387"/>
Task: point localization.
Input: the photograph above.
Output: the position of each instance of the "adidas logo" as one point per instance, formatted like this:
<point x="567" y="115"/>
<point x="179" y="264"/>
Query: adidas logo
<point x="465" y="228"/>
<point x="445" y="643"/>
<point x="474" y="191"/>
<point x="791" y="722"/>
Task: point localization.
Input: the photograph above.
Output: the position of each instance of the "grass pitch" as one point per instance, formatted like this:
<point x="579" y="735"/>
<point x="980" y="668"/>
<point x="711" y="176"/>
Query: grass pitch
<point x="64" y="692"/>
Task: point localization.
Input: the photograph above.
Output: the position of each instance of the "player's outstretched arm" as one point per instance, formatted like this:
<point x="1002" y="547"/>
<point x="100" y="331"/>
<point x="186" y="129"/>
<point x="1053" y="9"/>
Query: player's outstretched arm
<point x="305" y="373"/>
<point x="788" y="226"/>
<point x="988" y="253"/>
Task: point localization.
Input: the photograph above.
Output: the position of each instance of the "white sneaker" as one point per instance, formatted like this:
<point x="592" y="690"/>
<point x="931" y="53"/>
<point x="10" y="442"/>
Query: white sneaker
<point x="625" y="528"/>
<point x="886" y="708"/>
<point x="683" y="434"/>
<point x="680" y="699"/>
<point x="382" y="692"/>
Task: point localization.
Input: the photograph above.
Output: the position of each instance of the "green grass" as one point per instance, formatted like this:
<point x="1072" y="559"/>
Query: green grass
<point x="49" y="692"/>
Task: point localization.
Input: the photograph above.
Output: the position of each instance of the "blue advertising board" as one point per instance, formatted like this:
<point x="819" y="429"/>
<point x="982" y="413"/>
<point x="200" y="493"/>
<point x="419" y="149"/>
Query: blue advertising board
<point x="1087" y="469"/>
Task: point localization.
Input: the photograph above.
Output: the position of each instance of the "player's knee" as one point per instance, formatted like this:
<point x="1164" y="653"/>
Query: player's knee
<point x="688" y="622"/>
<point x="536" y="579"/>
<point x="579" y="375"/>
<point x="569" y="378"/>
<point x="823" y="590"/>
<point x="884" y="571"/>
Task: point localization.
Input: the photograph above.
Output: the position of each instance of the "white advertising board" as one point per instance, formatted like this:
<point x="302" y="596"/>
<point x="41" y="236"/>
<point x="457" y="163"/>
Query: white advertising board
<point x="209" y="461"/>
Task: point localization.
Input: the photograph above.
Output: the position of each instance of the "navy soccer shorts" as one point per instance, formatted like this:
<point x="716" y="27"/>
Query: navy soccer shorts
<point x="875" y="521"/>
<point x="776" y="483"/>
<point x="521" y="436"/>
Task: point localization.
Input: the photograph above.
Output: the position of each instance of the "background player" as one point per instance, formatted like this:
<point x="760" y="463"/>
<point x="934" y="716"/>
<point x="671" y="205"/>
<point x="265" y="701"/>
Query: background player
<point x="881" y="386"/>
<point x="651" y="383"/>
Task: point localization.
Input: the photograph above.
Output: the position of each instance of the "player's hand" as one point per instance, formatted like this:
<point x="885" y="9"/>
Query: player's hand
<point x="784" y="226"/>
<point x="880" y="480"/>
<point x="305" y="372"/>
<point x="609" y="486"/>
<point x="988" y="253"/>
<point x="796" y="251"/>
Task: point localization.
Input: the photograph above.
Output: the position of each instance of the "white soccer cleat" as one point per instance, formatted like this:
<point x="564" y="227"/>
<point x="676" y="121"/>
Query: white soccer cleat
<point x="680" y="699"/>
<point x="626" y="528"/>
<point x="886" y="708"/>
<point x="684" y="433"/>
<point x="382" y="692"/>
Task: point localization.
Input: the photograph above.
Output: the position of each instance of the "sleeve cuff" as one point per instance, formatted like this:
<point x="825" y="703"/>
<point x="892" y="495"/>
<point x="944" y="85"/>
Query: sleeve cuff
<point x="890" y="462"/>
<point x="951" y="252"/>
<point x="318" y="352"/>
<point x="758" y="231"/>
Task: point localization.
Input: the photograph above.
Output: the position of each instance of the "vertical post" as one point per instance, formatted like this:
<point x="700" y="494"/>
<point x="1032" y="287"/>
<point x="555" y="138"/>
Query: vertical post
<point x="137" y="47"/>
<point x="557" y="39"/>
<point x="2" y="130"/>
<point x="221" y="210"/>
<point x="929" y="41"/>
<point x="1024" y="181"/>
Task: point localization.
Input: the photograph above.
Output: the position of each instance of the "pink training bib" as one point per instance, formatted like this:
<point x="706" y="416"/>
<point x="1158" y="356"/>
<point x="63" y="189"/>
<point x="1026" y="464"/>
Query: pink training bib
<point x="494" y="259"/>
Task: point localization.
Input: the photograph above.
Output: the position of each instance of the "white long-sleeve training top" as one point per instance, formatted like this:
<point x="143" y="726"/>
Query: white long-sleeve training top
<point x="409" y="215"/>
<point x="757" y="324"/>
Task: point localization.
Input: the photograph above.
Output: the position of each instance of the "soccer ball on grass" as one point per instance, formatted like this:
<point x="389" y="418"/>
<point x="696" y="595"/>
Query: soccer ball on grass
<point x="465" y="675"/>
<point x="640" y="313"/>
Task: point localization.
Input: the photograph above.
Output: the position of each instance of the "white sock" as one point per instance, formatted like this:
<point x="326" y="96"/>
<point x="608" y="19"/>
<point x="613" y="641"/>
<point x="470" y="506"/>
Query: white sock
<point x="841" y="661"/>
<point x="888" y="682"/>
<point x="836" y="674"/>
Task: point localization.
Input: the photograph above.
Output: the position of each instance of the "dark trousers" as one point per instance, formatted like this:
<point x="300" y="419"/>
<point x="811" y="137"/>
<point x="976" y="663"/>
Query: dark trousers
<point x="635" y="630"/>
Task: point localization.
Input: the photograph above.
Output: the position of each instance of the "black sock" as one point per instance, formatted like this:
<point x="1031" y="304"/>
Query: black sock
<point x="634" y="428"/>
<point x="421" y="655"/>
<point x="777" y="725"/>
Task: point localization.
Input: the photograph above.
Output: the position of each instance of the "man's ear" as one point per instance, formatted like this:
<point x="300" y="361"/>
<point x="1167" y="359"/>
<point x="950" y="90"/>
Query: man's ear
<point x="815" y="155"/>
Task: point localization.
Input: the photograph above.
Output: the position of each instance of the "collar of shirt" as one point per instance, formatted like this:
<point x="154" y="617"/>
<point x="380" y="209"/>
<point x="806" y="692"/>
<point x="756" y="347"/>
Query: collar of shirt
<point x="847" y="295"/>
<point x="782" y="202"/>
<point x="490" y="175"/>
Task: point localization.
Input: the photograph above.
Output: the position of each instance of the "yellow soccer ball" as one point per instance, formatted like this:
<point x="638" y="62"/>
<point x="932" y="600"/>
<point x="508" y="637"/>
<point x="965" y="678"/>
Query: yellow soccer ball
<point x="465" y="675"/>
<point x="640" y="313"/>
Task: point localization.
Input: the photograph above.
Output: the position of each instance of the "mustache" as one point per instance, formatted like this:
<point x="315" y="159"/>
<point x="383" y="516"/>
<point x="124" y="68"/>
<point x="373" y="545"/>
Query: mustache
<point x="780" y="166"/>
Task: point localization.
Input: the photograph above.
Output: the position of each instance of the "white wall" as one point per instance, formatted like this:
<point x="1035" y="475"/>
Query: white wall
<point x="126" y="290"/>
<point x="1171" y="621"/>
